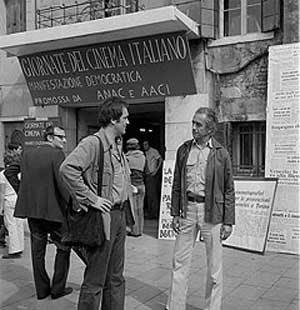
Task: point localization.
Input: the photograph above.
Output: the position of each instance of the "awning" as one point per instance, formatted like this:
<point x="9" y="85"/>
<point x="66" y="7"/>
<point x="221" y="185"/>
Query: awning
<point x="140" y="24"/>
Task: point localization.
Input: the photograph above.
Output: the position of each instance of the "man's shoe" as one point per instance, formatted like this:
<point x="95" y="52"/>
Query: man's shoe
<point x="130" y="234"/>
<point x="12" y="256"/>
<point x="67" y="291"/>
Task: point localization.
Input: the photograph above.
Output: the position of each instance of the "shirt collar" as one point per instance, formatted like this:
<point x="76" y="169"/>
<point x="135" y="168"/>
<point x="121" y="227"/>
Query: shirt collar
<point x="208" y="144"/>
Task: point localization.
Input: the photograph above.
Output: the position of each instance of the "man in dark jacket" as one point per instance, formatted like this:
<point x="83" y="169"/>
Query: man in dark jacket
<point x="42" y="199"/>
<point x="202" y="199"/>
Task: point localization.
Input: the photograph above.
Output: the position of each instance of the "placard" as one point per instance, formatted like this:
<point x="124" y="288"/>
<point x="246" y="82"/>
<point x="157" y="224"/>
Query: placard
<point x="149" y="67"/>
<point x="34" y="130"/>
<point x="283" y="146"/>
<point x="165" y="231"/>
<point x="253" y="208"/>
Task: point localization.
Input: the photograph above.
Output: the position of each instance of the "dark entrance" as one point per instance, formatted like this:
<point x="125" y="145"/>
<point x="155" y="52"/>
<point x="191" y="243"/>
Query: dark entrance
<point x="147" y="122"/>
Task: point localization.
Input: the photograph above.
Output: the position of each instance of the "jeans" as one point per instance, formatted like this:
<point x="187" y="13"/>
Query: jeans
<point x="103" y="282"/>
<point x="182" y="258"/>
<point x="39" y="230"/>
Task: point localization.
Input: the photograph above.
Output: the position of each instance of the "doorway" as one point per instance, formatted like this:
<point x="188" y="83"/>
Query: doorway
<point x="147" y="122"/>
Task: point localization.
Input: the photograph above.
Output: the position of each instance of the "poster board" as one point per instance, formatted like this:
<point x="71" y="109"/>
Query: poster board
<point x="254" y="204"/>
<point x="283" y="146"/>
<point x="165" y="230"/>
<point x="34" y="129"/>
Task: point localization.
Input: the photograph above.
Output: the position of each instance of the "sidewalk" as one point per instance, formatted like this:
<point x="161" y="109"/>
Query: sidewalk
<point x="251" y="281"/>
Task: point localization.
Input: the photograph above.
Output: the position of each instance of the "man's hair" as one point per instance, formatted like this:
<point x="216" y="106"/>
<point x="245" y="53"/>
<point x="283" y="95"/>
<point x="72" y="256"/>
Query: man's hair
<point x="14" y="146"/>
<point x="110" y="109"/>
<point x="49" y="131"/>
<point x="10" y="157"/>
<point x="212" y="119"/>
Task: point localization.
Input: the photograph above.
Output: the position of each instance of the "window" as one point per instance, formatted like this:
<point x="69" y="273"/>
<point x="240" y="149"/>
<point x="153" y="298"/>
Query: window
<point x="241" y="17"/>
<point x="249" y="148"/>
<point x="15" y="16"/>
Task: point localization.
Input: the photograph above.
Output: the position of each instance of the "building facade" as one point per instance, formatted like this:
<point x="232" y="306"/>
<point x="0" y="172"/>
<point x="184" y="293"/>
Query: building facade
<point x="229" y="60"/>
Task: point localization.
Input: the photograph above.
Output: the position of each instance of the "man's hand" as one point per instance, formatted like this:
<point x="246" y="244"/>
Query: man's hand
<point x="176" y="224"/>
<point x="225" y="231"/>
<point x="102" y="204"/>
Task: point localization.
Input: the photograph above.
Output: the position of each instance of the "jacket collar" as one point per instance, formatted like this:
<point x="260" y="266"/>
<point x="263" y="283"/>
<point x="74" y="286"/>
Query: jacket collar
<point x="214" y="143"/>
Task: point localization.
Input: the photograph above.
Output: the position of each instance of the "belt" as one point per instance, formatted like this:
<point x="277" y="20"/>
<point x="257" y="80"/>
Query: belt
<point x="117" y="206"/>
<point x="196" y="198"/>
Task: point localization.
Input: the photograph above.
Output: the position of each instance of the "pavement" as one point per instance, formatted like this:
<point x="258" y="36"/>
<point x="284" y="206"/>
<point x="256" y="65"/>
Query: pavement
<point x="251" y="281"/>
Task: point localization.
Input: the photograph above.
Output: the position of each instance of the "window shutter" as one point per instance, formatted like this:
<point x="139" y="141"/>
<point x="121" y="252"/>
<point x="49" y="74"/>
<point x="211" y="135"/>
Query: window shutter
<point x="270" y="15"/>
<point x="209" y="19"/>
<point x="15" y="16"/>
<point x="204" y="12"/>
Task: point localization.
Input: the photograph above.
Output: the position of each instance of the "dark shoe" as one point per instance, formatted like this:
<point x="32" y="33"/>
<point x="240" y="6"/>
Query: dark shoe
<point x="67" y="291"/>
<point x="12" y="256"/>
<point x="133" y="235"/>
<point x="43" y="297"/>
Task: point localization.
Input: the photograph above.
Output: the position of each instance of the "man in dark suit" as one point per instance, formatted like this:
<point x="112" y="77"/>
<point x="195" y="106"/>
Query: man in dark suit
<point x="42" y="199"/>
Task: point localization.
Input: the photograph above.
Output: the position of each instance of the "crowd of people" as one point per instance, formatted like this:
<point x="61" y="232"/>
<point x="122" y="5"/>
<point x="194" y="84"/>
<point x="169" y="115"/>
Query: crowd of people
<point x="94" y="197"/>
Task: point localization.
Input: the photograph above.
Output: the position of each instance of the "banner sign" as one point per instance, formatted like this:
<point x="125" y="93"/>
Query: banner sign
<point x="165" y="230"/>
<point x="34" y="130"/>
<point x="149" y="67"/>
<point x="283" y="145"/>
<point x="253" y="208"/>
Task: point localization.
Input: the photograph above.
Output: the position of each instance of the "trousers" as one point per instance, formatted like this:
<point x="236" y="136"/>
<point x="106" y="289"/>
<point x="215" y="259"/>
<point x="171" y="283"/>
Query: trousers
<point x="39" y="229"/>
<point x="14" y="226"/>
<point x="103" y="283"/>
<point x="184" y="245"/>
<point x="138" y="227"/>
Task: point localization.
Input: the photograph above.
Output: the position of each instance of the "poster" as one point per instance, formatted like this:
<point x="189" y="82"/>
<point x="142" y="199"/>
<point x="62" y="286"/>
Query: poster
<point x="283" y="146"/>
<point x="253" y="208"/>
<point x="165" y="230"/>
<point x="34" y="130"/>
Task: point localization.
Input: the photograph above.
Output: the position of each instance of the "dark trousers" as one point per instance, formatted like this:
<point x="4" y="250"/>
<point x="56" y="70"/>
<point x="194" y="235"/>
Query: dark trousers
<point x="103" y="282"/>
<point x="39" y="230"/>
<point x="152" y="195"/>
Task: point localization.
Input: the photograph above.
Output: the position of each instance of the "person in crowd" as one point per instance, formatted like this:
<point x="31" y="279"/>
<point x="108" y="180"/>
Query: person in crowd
<point x="137" y="161"/>
<point x="8" y="197"/>
<point x="202" y="199"/>
<point x="152" y="179"/>
<point x="103" y="284"/>
<point x="42" y="200"/>
<point x="3" y="230"/>
<point x="13" y="171"/>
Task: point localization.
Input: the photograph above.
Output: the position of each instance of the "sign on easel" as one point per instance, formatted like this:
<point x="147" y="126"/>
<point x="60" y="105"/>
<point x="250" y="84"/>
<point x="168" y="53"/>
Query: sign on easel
<point x="165" y="231"/>
<point x="254" y="204"/>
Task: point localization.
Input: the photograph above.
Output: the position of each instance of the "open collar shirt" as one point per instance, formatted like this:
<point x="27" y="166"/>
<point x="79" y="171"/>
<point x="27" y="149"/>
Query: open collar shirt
<point x="196" y="168"/>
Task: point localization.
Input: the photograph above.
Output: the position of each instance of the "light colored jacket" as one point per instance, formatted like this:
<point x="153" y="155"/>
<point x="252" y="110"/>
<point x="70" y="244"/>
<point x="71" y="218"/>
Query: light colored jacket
<point x="80" y="169"/>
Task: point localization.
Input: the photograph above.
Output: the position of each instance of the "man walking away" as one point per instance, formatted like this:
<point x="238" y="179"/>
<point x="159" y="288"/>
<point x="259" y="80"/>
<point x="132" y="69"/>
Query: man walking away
<point x="103" y="283"/>
<point x="136" y="160"/>
<point x="42" y="199"/>
<point x="202" y="199"/>
<point x="152" y="179"/>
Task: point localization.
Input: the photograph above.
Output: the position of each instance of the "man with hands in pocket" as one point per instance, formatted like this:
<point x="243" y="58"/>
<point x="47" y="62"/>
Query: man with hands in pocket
<point x="202" y="199"/>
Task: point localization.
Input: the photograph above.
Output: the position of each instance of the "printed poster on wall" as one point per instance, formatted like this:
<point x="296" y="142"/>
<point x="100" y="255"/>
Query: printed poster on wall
<point x="283" y="147"/>
<point x="165" y="230"/>
<point x="254" y="203"/>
